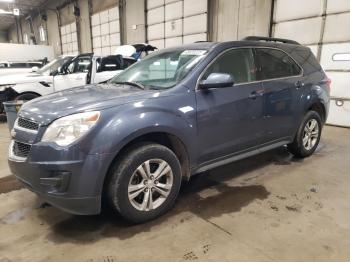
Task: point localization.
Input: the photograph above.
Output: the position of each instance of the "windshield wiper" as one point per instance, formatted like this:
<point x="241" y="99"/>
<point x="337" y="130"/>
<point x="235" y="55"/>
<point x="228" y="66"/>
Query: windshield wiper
<point x="130" y="83"/>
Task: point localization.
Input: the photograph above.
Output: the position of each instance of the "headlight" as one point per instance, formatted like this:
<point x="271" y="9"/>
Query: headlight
<point x="3" y="87"/>
<point x="68" y="129"/>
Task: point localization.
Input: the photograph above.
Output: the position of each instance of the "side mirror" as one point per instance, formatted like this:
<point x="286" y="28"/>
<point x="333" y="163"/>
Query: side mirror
<point x="35" y="68"/>
<point x="216" y="80"/>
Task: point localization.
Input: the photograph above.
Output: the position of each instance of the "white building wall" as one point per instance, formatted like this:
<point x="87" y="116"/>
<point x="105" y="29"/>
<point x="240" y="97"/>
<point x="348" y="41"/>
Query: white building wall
<point x="323" y="25"/>
<point x="236" y="19"/>
<point x="176" y="22"/>
<point x="105" y="31"/>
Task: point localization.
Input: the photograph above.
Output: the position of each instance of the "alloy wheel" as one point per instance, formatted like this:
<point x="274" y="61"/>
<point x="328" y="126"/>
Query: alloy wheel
<point x="310" y="134"/>
<point x="150" y="184"/>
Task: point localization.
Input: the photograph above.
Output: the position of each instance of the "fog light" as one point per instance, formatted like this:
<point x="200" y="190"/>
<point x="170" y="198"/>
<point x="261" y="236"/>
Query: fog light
<point x="58" y="182"/>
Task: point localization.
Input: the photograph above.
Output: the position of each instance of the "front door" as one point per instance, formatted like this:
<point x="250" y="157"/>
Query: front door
<point x="282" y="83"/>
<point x="230" y="119"/>
<point x="74" y="73"/>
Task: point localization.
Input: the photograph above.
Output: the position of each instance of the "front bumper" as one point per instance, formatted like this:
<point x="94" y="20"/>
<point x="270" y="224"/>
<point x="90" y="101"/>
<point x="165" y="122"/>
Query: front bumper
<point x="73" y="186"/>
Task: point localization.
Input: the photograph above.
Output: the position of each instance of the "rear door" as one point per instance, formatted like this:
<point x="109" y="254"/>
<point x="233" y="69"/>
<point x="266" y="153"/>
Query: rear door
<point x="73" y="73"/>
<point x="282" y="82"/>
<point x="229" y="119"/>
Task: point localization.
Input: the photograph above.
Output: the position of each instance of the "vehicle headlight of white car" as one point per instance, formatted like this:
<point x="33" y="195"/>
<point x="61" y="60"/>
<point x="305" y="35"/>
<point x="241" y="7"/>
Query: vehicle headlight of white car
<point x="4" y="87"/>
<point x="66" y="130"/>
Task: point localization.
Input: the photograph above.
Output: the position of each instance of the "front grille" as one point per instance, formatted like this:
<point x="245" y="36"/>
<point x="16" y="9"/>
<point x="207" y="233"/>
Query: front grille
<point x="27" y="124"/>
<point x="20" y="149"/>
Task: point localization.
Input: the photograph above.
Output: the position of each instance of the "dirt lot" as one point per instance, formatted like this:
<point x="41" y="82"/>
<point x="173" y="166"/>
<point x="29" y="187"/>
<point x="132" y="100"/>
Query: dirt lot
<point x="271" y="207"/>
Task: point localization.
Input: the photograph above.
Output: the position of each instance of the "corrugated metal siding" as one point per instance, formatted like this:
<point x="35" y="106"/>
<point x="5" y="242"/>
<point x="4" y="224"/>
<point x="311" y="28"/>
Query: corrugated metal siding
<point x="105" y="31"/>
<point x="175" y="22"/>
<point x="69" y="38"/>
<point x="323" y="26"/>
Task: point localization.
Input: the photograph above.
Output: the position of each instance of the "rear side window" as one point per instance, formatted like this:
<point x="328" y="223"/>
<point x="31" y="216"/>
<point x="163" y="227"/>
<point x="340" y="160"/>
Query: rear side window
<point x="110" y="63"/>
<point x="274" y="63"/>
<point x="237" y="62"/>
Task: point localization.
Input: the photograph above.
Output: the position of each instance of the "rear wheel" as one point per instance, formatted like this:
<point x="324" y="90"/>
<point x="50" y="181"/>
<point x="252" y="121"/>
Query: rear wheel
<point x="308" y="135"/>
<point x="145" y="182"/>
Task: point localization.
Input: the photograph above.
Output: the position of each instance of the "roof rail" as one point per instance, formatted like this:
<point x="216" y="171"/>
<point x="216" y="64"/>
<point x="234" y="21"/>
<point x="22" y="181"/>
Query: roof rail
<point x="270" y="39"/>
<point x="202" y="41"/>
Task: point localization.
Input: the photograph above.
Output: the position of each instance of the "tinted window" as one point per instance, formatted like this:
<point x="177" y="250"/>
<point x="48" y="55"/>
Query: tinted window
<point x="128" y="62"/>
<point x="275" y="64"/>
<point x="19" y="65"/>
<point x="80" y="65"/>
<point x="237" y="62"/>
<point x="31" y="64"/>
<point x="110" y="63"/>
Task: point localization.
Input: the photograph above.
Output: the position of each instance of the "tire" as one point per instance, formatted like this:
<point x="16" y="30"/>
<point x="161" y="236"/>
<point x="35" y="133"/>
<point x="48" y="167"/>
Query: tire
<point x="305" y="148"/>
<point x="131" y="185"/>
<point x="26" y="96"/>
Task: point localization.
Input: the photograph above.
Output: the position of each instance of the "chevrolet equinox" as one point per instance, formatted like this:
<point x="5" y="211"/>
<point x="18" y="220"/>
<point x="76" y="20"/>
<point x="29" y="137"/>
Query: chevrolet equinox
<point x="180" y="111"/>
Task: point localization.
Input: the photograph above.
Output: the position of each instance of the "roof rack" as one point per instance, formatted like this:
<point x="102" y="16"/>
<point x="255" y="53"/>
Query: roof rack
<point x="202" y="41"/>
<point x="270" y="39"/>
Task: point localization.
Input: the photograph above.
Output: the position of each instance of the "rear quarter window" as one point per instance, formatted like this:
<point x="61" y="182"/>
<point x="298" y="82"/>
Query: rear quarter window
<point x="273" y="63"/>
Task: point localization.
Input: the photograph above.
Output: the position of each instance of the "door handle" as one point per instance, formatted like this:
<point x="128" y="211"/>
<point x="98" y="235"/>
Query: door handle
<point x="299" y="84"/>
<point x="255" y="94"/>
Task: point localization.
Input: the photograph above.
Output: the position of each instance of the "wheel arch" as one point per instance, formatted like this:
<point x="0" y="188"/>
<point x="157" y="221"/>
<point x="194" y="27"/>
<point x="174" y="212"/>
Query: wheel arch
<point x="28" y="92"/>
<point x="320" y="109"/>
<point x="171" y="141"/>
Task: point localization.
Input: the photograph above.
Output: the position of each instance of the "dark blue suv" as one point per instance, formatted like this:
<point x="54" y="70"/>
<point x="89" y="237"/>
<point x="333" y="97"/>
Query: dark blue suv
<point x="178" y="112"/>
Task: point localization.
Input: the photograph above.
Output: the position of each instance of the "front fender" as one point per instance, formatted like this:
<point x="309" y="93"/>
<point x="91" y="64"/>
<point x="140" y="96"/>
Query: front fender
<point x="120" y="130"/>
<point x="116" y="133"/>
<point x="118" y="126"/>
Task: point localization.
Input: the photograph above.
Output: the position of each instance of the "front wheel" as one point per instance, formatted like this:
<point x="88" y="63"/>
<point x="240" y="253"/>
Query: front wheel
<point x="144" y="182"/>
<point x="308" y="136"/>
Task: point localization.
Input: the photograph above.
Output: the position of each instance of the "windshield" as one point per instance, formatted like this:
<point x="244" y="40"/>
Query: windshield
<point x="161" y="70"/>
<point x="54" y="65"/>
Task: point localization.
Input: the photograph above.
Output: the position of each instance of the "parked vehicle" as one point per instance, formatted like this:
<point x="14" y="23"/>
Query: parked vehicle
<point x="26" y="86"/>
<point x="136" y="51"/>
<point x="9" y="68"/>
<point x="62" y="73"/>
<point x="178" y="112"/>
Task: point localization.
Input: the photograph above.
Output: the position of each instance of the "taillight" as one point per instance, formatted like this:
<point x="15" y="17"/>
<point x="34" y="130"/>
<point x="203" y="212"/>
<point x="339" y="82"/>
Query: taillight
<point x="328" y="82"/>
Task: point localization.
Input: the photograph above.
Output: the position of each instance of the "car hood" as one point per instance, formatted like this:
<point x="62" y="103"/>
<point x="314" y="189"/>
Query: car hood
<point x="21" y="78"/>
<point x="86" y="98"/>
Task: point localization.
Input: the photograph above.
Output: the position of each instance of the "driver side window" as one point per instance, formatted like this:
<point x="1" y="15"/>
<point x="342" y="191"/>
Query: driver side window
<point x="79" y="65"/>
<point x="237" y="62"/>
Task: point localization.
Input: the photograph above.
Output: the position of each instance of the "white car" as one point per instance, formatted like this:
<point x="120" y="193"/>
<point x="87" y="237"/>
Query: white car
<point x="62" y="73"/>
<point x="9" y="68"/>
